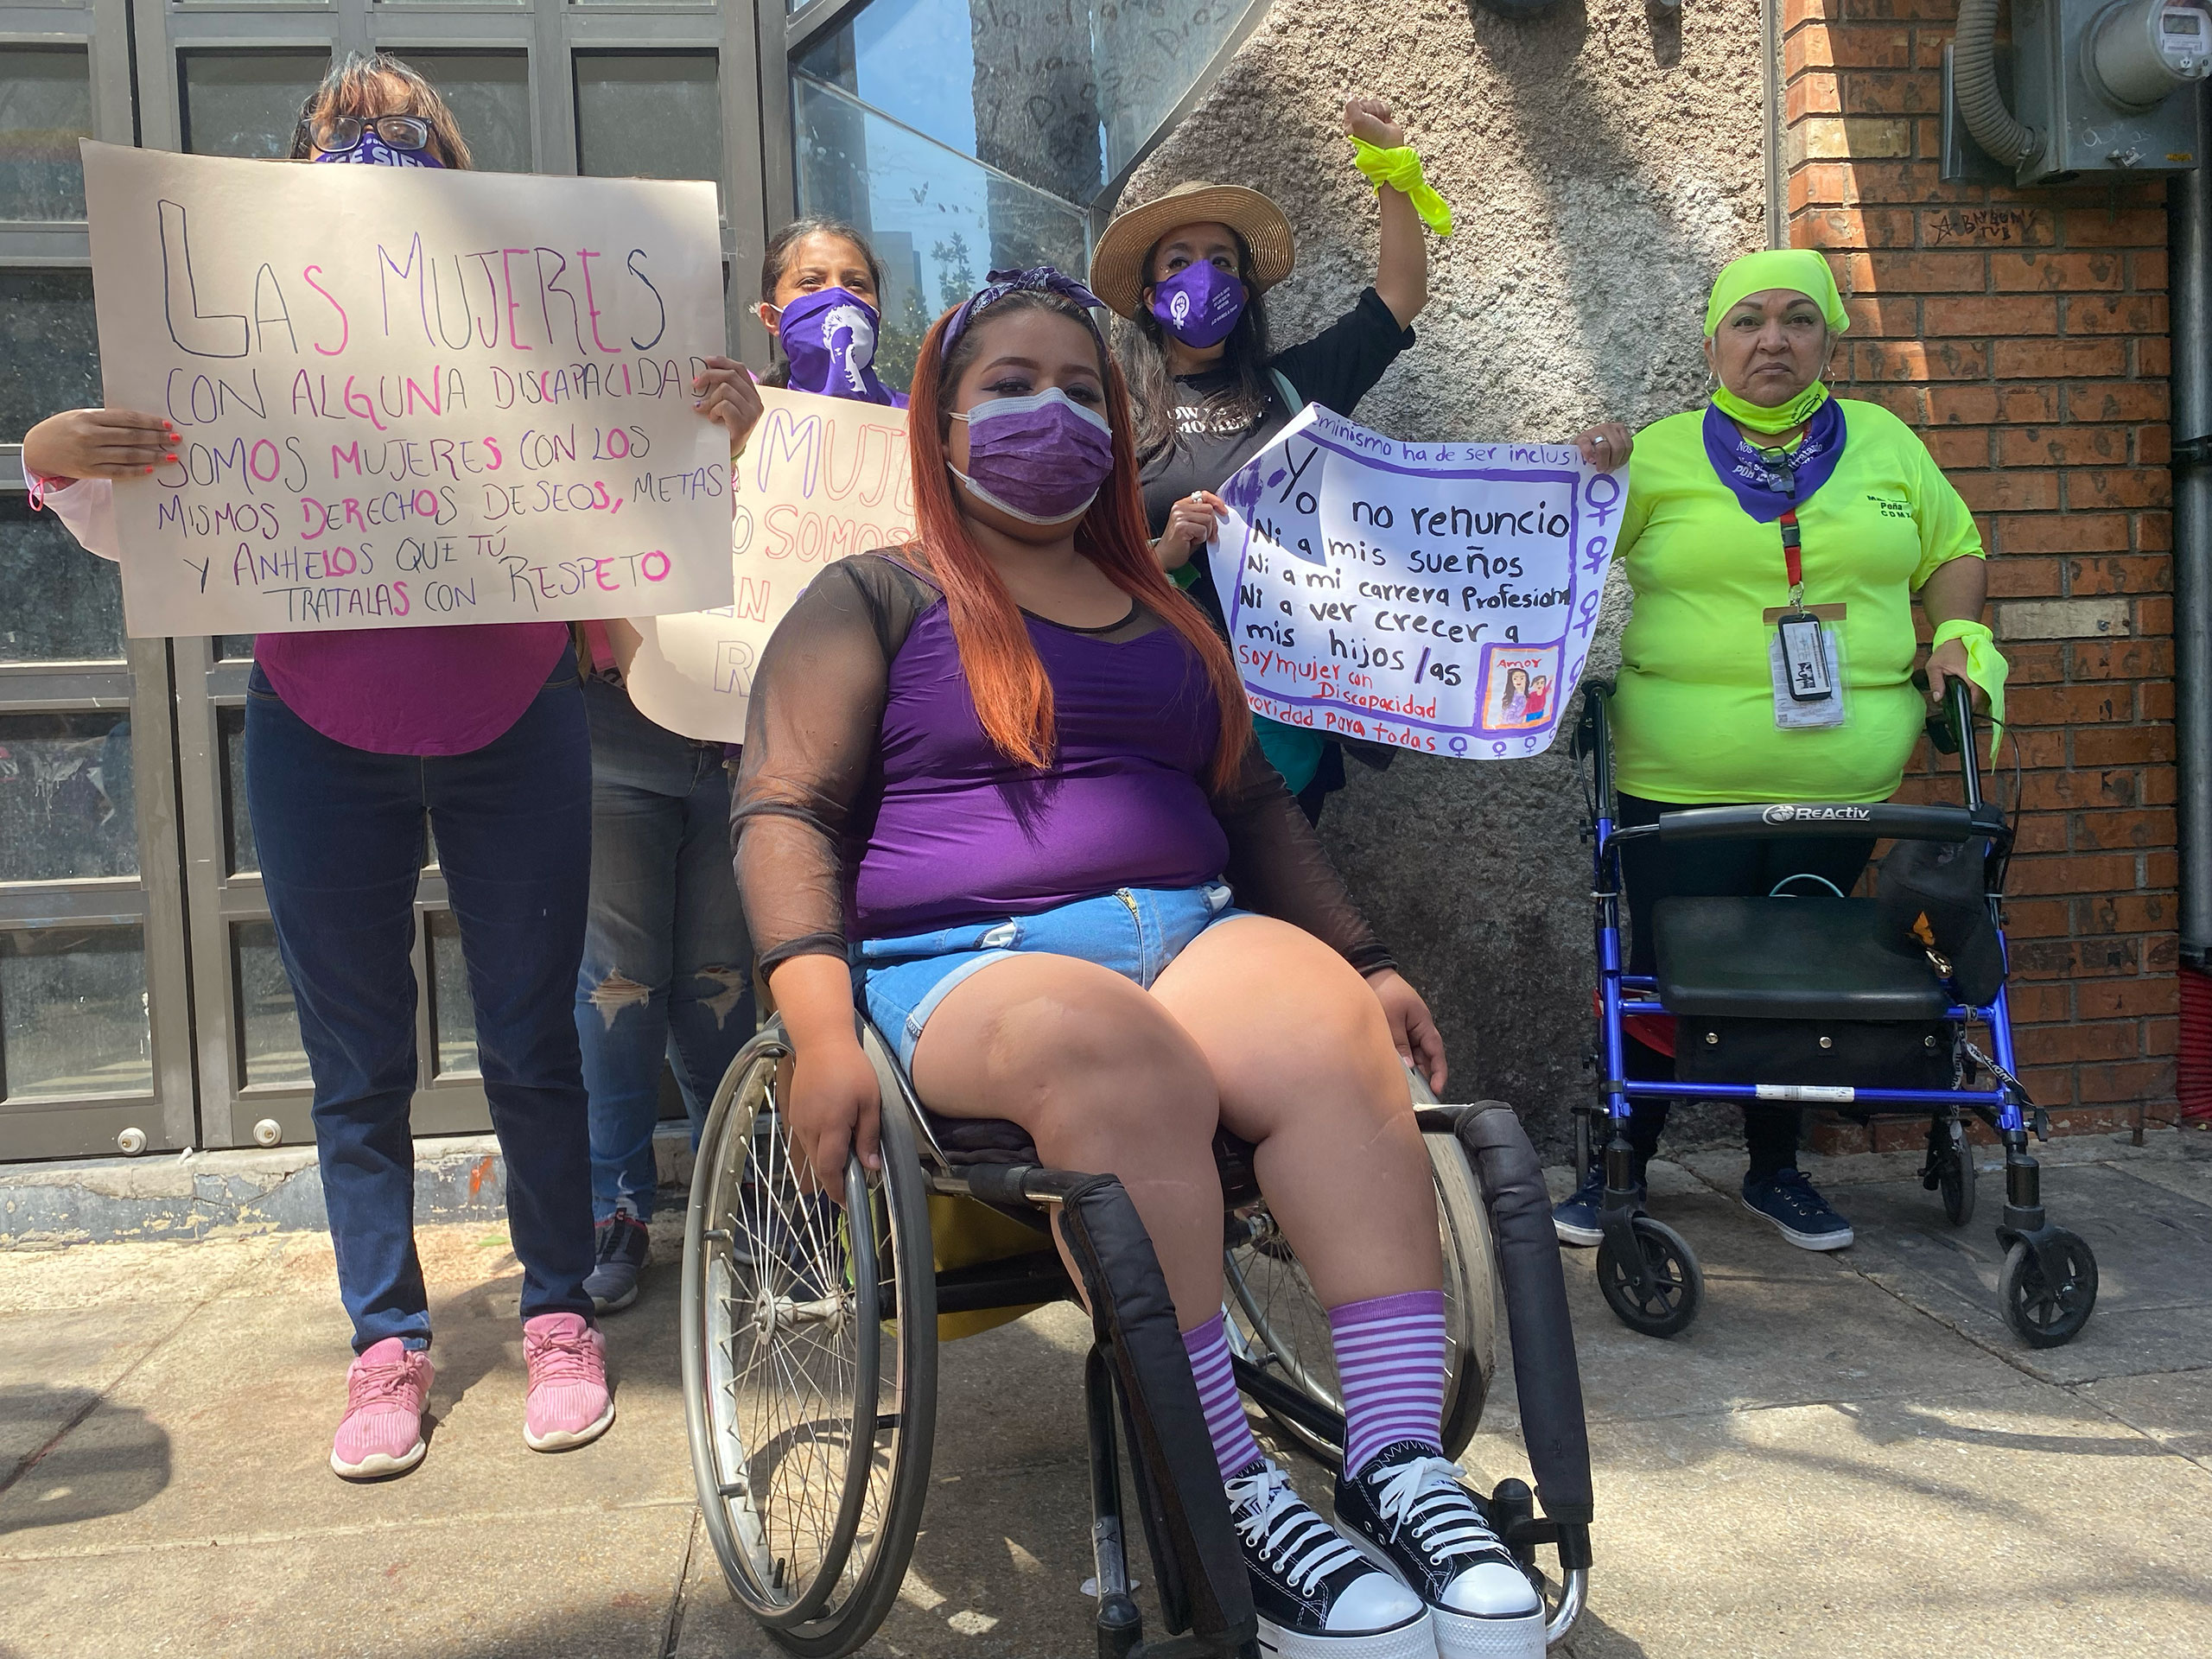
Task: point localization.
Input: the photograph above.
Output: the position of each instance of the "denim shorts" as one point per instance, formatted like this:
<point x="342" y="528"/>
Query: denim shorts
<point x="1136" y="931"/>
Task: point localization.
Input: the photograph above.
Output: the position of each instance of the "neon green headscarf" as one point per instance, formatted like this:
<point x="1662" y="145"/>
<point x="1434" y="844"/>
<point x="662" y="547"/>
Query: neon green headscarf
<point x="1801" y="270"/>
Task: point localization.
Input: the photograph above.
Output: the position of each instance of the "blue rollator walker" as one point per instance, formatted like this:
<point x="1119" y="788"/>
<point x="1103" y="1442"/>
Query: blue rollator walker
<point x="1812" y="1001"/>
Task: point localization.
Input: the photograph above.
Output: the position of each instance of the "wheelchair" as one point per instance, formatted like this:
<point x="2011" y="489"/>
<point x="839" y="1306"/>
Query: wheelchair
<point x="810" y="1334"/>
<point x="1783" y="998"/>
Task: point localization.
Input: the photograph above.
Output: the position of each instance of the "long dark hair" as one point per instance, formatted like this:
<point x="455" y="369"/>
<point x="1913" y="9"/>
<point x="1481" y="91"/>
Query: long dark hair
<point x="362" y="86"/>
<point x="1142" y="344"/>
<point x="778" y="259"/>
<point x="1013" y="697"/>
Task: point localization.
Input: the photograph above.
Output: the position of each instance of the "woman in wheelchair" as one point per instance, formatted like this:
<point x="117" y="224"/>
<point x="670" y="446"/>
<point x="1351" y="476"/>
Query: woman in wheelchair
<point x="1000" y="790"/>
<point x="1775" y="540"/>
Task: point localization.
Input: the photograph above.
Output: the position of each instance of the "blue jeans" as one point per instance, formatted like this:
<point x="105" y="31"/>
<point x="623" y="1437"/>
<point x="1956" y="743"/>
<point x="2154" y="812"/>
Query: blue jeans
<point x="667" y="967"/>
<point x="1136" y="931"/>
<point x="340" y="831"/>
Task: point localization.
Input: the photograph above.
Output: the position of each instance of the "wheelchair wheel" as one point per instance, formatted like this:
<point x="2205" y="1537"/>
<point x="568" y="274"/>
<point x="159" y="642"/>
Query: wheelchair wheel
<point x="810" y="1366"/>
<point x="1673" y="1285"/>
<point x="1276" y="1322"/>
<point x="2043" y="1314"/>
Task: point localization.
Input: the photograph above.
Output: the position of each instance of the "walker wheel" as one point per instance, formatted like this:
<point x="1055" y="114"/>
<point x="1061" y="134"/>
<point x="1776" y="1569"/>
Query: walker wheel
<point x="2045" y="1315"/>
<point x="1673" y="1285"/>
<point x="1955" y="1178"/>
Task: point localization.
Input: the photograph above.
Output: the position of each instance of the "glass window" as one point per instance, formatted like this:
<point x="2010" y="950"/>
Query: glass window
<point x="234" y="647"/>
<point x="49" y="347"/>
<point x="246" y="103"/>
<point x="65" y="802"/>
<point x="649" y="115"/>
<point x="73" y="1014"/>
<point x="453" y="1016"/>
<point x="937" y="220"/>
<point x="268" y="1024"/>
<point x="1061" y="97"/>
<point x="237" y="828"/>
<point x="46" y="106"/>
<point x="489" y="95"/>
<point x="58" y="603"/>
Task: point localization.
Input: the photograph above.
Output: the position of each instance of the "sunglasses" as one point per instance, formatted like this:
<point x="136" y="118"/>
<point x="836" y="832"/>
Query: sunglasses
<point x="333" y="134"/>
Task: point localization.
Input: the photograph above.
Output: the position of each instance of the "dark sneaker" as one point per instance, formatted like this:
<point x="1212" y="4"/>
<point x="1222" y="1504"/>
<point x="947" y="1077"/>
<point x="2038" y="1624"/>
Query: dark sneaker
<point x="1317" y="1597"/>
<point x="1574" y="1217"/>
<point x="1406" y="1511"/>
<point x="1805" y="1218"/>
<point x="624" y="1245"/>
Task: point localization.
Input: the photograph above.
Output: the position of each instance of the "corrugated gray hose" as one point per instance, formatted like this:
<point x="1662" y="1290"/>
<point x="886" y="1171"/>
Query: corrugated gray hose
<point x="1973" y="70"/>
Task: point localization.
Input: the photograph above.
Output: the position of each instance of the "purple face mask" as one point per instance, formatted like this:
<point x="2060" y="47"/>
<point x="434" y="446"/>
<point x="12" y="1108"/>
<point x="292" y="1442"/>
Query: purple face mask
<point x="1041" y="459"/>
<point x="373" y="152"/>
<point x="830" y="337"/>
<point x="1199" y="304"/>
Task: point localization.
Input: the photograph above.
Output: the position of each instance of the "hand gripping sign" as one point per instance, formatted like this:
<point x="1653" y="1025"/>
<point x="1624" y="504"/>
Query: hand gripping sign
<point x="1437" y="596"/>
<point x="821" y="479"/>
<point x="407" y="397"/>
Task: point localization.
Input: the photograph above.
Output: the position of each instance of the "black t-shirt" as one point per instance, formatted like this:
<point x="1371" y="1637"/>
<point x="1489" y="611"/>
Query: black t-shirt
<point x="1336" y="368"/>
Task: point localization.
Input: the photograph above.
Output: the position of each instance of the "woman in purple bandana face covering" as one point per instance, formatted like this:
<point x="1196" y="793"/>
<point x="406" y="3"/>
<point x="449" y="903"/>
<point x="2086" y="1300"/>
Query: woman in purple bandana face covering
<point x="821" y="297"/>
<point x="355" y="741"/>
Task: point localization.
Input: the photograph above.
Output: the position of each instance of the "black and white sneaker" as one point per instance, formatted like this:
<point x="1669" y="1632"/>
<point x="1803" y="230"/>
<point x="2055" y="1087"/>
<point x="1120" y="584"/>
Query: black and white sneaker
<point x="1408" y="1511"/>
<point x="1317" y="1597"/>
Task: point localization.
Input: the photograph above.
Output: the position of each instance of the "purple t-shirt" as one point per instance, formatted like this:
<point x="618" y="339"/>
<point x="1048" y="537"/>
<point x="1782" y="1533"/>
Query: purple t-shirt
<point x="412" y="690"/>
<point x="964" y="835"/>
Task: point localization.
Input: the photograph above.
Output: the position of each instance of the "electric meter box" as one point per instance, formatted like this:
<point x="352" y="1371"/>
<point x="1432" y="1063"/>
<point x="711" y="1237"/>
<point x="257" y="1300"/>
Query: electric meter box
<point x="2109" y="86"/>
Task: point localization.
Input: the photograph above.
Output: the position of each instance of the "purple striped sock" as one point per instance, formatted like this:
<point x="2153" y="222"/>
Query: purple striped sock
<point x="1390" y="1361"/>
<point x="1234" y="1448"/>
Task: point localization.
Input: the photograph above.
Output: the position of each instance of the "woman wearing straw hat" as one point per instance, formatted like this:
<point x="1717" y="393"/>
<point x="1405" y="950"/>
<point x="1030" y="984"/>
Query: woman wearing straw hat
<point x="1188" y="270"/>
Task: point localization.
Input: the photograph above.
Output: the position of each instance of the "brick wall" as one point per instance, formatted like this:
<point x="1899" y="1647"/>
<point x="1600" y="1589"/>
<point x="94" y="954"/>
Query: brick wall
<point x="2023" y="334"/>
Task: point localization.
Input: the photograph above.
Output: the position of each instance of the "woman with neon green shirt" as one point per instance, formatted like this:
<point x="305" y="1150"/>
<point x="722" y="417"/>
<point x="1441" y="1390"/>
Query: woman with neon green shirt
<point x="1705" y="712"/>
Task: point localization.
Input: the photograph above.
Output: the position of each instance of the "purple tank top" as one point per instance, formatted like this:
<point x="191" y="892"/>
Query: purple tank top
<point x="412" y="690"/>
<point x="964" y="835"/>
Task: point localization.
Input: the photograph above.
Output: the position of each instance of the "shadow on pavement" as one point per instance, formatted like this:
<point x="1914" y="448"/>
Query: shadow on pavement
<point x="109" y="1460"/>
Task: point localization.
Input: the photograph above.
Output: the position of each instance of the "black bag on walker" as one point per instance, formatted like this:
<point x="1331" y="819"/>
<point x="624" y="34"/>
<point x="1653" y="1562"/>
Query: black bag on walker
<point x="1932" y="897"/>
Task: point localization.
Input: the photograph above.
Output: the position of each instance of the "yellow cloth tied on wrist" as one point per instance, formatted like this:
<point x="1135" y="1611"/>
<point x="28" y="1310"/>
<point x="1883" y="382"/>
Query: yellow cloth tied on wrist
<point x="1400" y="168"/>
<point x="1986" y="667"/>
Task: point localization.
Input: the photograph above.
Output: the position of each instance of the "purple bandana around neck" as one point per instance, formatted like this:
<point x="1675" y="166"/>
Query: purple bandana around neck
<point x="373" y="152"/>
<point x="829" y="337"/>
<point x="1768" y="491"/>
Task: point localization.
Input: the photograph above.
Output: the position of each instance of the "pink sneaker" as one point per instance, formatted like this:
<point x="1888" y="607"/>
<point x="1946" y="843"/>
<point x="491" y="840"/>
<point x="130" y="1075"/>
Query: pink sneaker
<point x="382" y="1431"/>
<point x="569" y="1404"/>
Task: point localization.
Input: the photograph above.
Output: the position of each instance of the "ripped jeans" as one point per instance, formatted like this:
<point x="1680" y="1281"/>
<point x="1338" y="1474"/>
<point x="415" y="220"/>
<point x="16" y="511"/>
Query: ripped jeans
<point x="668" y="965"/>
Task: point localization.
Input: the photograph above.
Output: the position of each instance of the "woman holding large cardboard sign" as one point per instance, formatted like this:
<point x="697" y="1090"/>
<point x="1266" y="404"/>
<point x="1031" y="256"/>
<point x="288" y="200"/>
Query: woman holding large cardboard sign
<point x="1775" y="540"/>
<point x="667" y="968"/>
<point x="353" y="739"/>
<point x="998" y="786"/>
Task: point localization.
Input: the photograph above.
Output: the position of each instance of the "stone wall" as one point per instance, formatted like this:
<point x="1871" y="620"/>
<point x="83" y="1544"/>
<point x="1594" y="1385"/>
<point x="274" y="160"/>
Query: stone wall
<point x="1601" y="168"/>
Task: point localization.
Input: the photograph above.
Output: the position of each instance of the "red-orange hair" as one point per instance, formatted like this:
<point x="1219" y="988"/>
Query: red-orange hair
<point x="1013" y="697"/>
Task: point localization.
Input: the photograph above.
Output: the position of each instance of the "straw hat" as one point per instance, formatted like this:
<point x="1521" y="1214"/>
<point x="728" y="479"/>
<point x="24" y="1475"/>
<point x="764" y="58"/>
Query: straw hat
<point x="1118" y="273"/>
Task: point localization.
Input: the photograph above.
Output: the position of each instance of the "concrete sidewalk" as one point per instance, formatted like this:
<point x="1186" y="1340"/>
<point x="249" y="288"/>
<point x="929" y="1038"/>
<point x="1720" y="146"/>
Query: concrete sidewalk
<point x="1846" y="1456"/>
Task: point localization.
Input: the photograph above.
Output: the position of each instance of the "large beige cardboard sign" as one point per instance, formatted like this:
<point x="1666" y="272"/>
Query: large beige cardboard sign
<point x="821" y="479"/>
<point x="408" y="397"/>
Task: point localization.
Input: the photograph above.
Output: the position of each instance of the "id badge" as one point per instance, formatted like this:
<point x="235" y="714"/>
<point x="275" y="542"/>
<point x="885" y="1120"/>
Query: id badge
<point x="1805" y="659"/>
<point x="1805" y="668"/>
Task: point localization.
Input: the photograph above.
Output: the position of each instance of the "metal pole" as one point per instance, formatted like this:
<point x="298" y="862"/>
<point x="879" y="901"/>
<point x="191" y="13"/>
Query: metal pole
<point x="2189" y="241"/>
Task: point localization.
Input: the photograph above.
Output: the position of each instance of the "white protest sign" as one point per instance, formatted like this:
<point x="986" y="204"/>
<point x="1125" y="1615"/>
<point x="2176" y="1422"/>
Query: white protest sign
<point x="821" y="479"/>
<point x="407" y="397"/>
<point x="1436" y="596"/>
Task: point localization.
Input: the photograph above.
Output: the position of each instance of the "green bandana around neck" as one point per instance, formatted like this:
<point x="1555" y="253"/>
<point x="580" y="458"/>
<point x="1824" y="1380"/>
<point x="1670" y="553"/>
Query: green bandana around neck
<point x="1781" y="418"/>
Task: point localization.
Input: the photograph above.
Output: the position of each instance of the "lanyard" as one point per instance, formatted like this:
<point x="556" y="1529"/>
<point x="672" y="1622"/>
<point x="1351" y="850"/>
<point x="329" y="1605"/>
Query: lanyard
<point x="1778" y="463"/>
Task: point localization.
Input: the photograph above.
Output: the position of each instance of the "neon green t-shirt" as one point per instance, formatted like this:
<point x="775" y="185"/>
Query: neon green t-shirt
<point x="1693" y="717"/>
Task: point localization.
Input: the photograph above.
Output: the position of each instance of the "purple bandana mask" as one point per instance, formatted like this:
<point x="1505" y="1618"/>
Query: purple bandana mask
<point x="373" y="152"/>
<point x="830" y="338"/>
<point x="1199" y="304"/>
<point x="1041" y="459"/>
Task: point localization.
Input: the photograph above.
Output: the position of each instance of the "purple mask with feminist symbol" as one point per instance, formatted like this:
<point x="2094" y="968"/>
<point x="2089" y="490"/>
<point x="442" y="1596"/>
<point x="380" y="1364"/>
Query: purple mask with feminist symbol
<point x="373" y="152"/>
<point x="830" y="338"/>
<point x="1199" y="304"/>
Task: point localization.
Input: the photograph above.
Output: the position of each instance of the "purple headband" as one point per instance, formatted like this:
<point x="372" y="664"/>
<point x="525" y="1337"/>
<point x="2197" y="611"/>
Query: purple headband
<point x="999" y="284"/>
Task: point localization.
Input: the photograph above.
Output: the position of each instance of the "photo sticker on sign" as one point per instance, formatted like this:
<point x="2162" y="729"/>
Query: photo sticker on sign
<point x="1439" y="597"/>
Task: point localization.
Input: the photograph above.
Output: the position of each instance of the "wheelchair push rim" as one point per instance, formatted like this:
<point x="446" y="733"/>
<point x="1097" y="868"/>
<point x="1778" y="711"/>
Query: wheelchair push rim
<point x="810" y="1404"/>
